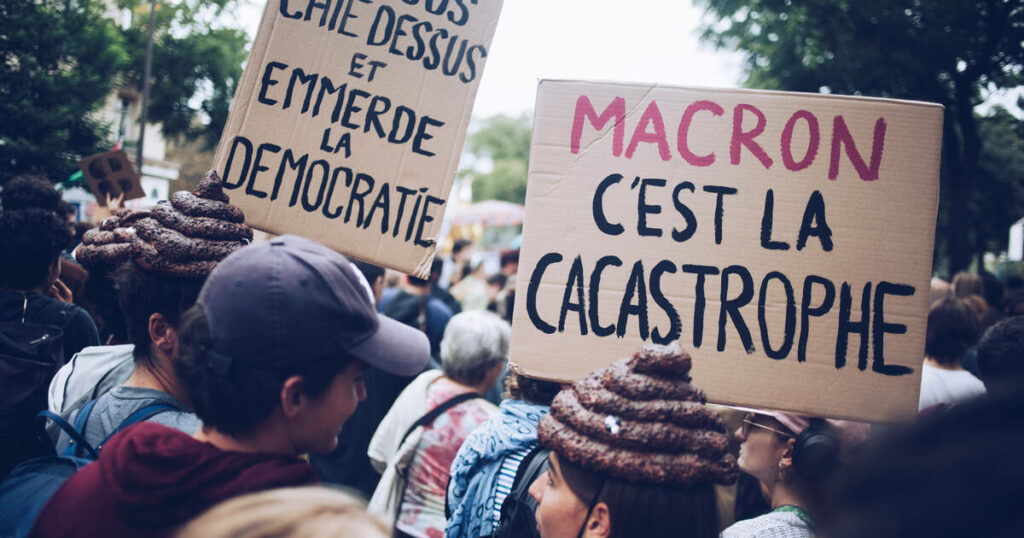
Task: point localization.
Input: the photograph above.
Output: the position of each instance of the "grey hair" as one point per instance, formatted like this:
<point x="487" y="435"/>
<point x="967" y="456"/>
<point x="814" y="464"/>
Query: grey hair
<point x="473" y="343"/>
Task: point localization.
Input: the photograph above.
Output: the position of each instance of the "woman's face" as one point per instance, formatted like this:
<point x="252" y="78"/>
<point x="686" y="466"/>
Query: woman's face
<point x="760" y="448"/>
<point x="560" y="513"/>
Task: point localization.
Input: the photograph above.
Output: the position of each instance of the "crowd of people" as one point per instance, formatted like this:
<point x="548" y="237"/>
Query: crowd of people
<point x="162" y="374"/>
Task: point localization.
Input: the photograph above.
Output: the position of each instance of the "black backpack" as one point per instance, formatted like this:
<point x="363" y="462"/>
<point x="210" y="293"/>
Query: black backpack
<point x="30" y="355"/>
<point x="517" y="519"/>
<point x="28" y="488"/>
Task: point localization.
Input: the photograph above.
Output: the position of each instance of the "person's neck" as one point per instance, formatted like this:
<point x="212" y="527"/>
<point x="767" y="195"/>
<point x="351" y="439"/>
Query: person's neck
<point x="479" y="389"/>
<point x="416" y="290"/>
<point x="146" y="378"/>
<point x="264" y="440"/>
<point x="954" y="366"/>
<point x="782" y="496"/>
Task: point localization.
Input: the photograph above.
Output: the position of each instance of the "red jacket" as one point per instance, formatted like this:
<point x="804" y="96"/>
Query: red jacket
<point x="150" y="479"/>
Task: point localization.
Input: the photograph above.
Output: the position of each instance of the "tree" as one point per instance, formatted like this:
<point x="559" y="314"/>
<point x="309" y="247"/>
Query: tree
<point x="57" y="65"/>
<point x="504" y="141"/>
<point x="61" y="59"/>
<point x="933" y="50"/>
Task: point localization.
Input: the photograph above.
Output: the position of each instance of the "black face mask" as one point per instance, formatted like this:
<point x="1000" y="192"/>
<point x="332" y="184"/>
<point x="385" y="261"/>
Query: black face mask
<point x="590" y="508"/>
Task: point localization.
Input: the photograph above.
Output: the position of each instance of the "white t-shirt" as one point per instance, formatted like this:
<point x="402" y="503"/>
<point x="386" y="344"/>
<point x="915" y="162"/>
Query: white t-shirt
<point x="84" y="371"/>
<point x="939" y="385"/>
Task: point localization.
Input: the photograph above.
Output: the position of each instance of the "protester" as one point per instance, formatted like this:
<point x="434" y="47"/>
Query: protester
<point x="412" y="304"/>
<point x="473" y="355"/>
<point x="155" y="284"/>
<point x="1001" y="357"/>
<point x="940" y="289"/>
<point x="634" y="453"/>
<point x="37" y="332"/>
<point x="271" y="359"/>
<point x="794" y="458"/>
<point x="482" y="473"/>
<point x="439" y="292"/>
<point x="952" y="329"/>
<point x="965" y="284"/>
<point x="948" y="475"/>
<point x="455" y="265"/>
<point x="303" y="512"/>
<point x="28" y="191"/>
<point x="471" y="291"/>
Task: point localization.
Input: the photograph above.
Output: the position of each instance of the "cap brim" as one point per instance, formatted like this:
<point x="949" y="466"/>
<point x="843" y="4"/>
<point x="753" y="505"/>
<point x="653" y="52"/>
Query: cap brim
<point x="395" y="348"/>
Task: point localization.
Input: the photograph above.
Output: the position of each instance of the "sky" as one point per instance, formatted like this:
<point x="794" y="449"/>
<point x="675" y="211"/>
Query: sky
<point x="636" y="41"/>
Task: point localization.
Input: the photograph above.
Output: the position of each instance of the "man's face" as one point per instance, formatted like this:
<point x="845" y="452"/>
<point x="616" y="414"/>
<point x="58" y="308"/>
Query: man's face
<point x="322" y="422"/>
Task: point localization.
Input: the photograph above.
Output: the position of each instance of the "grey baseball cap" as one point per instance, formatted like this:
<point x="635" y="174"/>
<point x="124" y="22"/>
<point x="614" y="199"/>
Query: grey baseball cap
<point x="291" y="299"/>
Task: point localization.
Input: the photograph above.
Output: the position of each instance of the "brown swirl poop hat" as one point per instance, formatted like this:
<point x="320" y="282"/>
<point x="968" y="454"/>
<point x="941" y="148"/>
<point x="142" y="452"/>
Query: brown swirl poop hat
<point x="183" y="238"/>
<point x="640" y="420"/>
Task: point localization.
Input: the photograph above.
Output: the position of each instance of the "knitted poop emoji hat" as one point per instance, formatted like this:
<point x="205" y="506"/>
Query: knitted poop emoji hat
<point x="640" y="420"/>
<point x="183" y="238"/>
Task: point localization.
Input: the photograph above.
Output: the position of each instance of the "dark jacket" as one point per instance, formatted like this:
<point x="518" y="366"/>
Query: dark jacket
<point x="151" y="479"/>
<point x="79" y="329"/>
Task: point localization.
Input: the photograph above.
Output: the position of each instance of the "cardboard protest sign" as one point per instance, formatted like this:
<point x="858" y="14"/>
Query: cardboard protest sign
<point x="785" y="239"/>
<point x="111" y="173"/>
<point x="349" y="119"/>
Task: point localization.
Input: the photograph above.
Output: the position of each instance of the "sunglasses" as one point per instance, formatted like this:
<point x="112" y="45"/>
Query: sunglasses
<point x="748" y="421"/>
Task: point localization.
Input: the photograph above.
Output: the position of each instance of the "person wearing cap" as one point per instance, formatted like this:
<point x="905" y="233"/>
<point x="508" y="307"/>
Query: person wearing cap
<point x="793" y="457"/>
<point x="271" y="359"/>
<point x="634" y="452"/>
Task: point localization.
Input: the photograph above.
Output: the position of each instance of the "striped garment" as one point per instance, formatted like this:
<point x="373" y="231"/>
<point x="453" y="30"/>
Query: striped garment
<point x="507" y="477"/>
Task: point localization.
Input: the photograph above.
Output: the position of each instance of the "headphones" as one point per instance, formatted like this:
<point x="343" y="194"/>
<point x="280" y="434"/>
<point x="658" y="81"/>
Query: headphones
<point x="816" y="451"/>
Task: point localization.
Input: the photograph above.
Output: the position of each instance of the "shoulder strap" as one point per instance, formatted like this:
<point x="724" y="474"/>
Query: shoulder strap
<point x="436" y="412"/>
<point x="528" y="470"/>
<point x="76" y="432"/>
<point x="139" y="415"/>
<point x="63" y="316"/>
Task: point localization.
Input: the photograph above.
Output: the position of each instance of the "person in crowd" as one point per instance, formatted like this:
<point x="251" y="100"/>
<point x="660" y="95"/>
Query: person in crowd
<point x="1001" y="356"/>
<point x="1013" y="305"/>
<point x="35" y="238"/>
<point x="412" y="304"/>
<point x="952" y="329"/>
<point x="123" y="379"/>
<point x="480" y="474"/>
<point x="271" y="359"/>
<point x="940" y="289"/>
<point x="947" y="475"/>
<point x="348" y="465"/>
<point x="29" y="191"/>
<point x="455" y="265"/>
<point x="439" y="292"/>
<point x="38" y="333"/>
<point x="794" y="458"/>
<point x="300" y="512"/>
<point x="965" y="284"/>
<point x="495" y="285"/>
<point x="608" y="475"/>
<point x="473" y="355"/>
<point x="471" y="291"/>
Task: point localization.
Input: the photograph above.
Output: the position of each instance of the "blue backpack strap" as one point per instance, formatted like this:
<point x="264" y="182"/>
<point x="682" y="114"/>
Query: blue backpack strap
<point x="139" y="415"/>
<point x="76" y="432"/>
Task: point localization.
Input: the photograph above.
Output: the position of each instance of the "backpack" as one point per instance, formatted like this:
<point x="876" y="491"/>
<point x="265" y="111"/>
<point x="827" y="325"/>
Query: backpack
<point x="30" y="355"/>
<point x="28" y="488"/>
<point x="517" y="511"/>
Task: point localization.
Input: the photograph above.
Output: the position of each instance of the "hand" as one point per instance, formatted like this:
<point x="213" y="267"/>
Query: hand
<point x="60" y="292"/>
<point x="115" y="204"/>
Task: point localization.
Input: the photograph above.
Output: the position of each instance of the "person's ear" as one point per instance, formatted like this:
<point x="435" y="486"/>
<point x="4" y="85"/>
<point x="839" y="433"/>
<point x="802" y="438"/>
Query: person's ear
<point x="162" y="333"/>
<point x="293" y="396"/>
<point x="600" y="523"/>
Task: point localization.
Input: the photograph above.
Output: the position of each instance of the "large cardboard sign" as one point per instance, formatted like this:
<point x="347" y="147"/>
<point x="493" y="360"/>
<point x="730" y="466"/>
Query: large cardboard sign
<point x="785" y="239"/>
<point x="111" y="173"/>
<point x="349" y="119"/>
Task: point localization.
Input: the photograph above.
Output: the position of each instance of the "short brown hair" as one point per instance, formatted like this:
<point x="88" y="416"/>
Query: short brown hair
<point x="952" y="329"/>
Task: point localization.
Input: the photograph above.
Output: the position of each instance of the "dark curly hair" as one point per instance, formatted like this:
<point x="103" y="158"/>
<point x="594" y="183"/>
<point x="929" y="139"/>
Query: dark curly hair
<point x="35" y="238"/>
<point x="238" y="401"/>
<point x="30" y="191"/>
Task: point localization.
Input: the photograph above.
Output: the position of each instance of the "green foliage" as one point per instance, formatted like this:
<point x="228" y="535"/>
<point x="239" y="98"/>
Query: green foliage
<point x="1001" y="171"/>
<point x="933" y="50"/>
<point x="56" y="67"/>
<point x="505" y="142"/>
<point x="195" y="67"/>
<point x="61" y="59"/>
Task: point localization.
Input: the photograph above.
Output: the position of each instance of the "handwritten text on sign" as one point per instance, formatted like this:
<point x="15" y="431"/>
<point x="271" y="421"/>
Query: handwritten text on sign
<point x="745" y="225"/>
<point x="351" y="116"/>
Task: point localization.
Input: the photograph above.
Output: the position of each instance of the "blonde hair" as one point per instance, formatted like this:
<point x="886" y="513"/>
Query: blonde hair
<point x="305" y="512"/>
